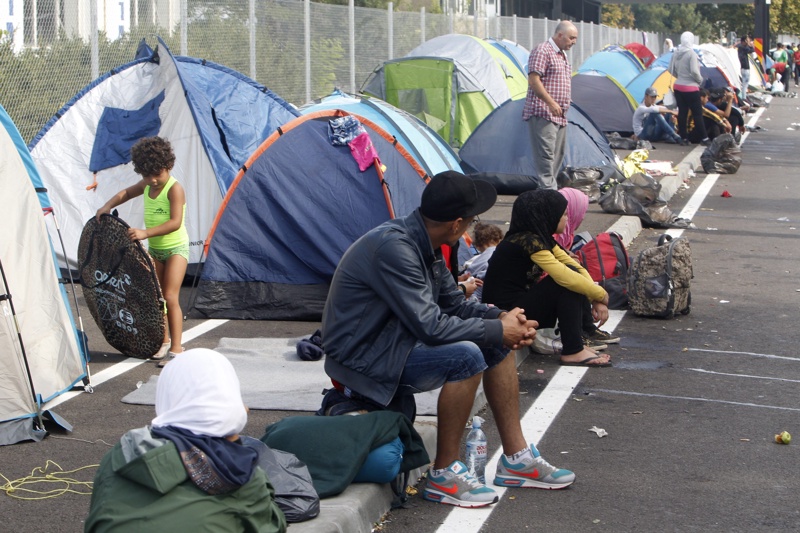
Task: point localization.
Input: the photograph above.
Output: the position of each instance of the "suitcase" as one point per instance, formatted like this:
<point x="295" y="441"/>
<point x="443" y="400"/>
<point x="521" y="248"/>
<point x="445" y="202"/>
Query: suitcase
<point x="659" y="281"/>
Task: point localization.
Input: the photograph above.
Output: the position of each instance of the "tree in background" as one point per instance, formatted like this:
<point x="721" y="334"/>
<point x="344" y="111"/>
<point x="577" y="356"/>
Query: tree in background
<point x="617" y="16"/>
<point x="784" y="17"/>
<point x="673" y="19"/>
<point x="738" y="18"/>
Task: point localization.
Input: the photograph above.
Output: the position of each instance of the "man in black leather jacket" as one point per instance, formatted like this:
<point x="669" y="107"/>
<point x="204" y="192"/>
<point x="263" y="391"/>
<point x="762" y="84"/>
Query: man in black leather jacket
<point x="396" y="323"/>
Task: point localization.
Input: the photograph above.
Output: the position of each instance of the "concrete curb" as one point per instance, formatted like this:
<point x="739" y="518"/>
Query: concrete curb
<point x="686" y="170"/>
<point x="363" y="504"/>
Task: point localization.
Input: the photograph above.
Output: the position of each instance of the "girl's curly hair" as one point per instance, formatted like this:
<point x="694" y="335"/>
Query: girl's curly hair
<point x="151" y="155"/>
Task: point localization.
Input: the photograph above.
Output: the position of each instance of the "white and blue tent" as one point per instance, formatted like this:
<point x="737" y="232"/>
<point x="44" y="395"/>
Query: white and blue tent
<point x="42" y="353"/>
<point x="213" y="116"/>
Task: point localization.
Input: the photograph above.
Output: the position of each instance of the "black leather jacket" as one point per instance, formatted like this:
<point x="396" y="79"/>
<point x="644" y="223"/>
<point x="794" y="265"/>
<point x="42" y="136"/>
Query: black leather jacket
<point x="389" y="292"/>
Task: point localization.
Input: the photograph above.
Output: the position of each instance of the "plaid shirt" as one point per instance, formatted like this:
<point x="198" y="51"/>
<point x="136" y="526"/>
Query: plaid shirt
<point x="553" y="68"/>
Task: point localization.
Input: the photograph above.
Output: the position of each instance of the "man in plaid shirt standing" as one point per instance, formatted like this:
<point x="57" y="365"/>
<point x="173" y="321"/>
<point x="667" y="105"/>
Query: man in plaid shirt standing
<point x="549" y="92"/>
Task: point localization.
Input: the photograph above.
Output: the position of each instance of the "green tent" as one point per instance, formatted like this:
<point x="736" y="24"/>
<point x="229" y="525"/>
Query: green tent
<point x="451" y="83"/>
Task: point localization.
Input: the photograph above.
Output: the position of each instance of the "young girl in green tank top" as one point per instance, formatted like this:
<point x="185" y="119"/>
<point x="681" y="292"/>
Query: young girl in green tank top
<point x="168" y="240"/>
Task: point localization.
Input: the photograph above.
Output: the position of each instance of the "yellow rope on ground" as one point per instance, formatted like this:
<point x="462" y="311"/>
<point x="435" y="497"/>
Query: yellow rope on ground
<point x="46" y="476"/>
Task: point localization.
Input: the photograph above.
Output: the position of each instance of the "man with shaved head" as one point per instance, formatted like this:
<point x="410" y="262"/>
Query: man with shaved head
<point x="549" y="94"/>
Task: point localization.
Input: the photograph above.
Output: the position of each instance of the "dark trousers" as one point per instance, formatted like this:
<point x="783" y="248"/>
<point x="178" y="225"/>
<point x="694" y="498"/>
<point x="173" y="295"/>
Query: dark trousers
<point x="690" y="102"/>
<point x="711" y="131"/>
<point x="547" y="301"/>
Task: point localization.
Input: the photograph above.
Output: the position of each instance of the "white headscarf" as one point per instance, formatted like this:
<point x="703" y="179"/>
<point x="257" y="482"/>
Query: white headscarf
<point x="687" y="39"/>
<point x="199" y="391"/>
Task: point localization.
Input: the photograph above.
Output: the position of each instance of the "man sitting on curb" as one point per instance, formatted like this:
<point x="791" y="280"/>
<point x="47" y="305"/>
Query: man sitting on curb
<point x="395" y="323"/>
<point x="649" y="123"/>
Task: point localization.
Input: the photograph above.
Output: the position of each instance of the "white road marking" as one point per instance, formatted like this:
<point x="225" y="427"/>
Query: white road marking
<point x="695" y="399"/>
<point x="755" y="354"/>
<point x="131" y="363"/>
<point x="770" y="378"/>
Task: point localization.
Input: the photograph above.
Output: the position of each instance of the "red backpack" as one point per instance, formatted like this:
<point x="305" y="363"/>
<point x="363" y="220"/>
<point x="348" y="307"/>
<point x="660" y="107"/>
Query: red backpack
<point x="606" y="260"/>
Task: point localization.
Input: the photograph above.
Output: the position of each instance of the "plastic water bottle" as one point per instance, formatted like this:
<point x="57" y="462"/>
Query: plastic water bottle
<point x="476" y="450"/>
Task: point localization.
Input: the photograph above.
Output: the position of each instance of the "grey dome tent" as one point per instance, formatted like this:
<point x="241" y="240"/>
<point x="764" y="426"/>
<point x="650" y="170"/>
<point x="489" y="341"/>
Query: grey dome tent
<point x="607" y="102"/>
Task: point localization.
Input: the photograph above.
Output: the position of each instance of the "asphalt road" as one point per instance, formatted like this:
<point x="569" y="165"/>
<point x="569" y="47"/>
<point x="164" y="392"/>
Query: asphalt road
<point x="691" y="405"/>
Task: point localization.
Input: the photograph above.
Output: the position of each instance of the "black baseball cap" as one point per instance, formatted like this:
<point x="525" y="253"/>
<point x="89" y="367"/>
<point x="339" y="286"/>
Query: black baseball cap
<point x="451" y="195"/>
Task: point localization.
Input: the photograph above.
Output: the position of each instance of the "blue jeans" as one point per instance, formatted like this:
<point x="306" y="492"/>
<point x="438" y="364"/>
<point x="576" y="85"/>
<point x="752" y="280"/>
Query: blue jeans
<point x="745" y="79"/>
<point x="656" y="128"/>
<point x="429" y="367"/>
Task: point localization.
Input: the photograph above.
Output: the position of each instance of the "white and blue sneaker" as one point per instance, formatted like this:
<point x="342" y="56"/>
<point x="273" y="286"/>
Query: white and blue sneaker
<point x="536" y="473"/>
<point x="455" y="486"/>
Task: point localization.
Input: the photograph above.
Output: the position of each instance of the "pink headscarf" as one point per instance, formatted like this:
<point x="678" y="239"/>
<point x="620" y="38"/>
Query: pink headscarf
<point x="577" y="204"/>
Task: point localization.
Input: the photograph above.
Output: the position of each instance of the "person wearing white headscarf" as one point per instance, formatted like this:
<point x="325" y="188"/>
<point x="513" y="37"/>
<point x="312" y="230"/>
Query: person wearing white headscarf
<point x="188" y="471"/>
<point x="685" y="66"/>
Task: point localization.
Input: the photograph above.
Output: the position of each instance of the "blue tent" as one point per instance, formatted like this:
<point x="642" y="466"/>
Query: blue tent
<point x="431" y="151"/>
<point x="42" y="353"/>
<point x="295" y="207"/>
<point x="213" y="116"/>
<point x="500" y="148"/>
<point x="619" y="63"/>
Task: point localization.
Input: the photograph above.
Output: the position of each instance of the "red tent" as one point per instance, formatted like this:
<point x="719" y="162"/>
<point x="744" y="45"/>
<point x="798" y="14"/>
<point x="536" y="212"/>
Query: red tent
<point x="642" y="52"/>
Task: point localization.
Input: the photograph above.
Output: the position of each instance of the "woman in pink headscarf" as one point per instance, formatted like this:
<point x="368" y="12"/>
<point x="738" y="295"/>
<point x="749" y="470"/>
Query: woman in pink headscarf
<point x="577" y="205"/>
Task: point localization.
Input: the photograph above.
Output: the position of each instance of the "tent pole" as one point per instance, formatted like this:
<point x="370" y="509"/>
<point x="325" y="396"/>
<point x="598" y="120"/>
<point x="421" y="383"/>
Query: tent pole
<point x="7" y="297"/>
<point x="87" y="381"/>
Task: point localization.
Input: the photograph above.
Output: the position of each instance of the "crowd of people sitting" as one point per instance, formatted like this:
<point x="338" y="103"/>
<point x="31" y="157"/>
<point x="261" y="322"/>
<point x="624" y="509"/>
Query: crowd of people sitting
<point x="701" y="114"/>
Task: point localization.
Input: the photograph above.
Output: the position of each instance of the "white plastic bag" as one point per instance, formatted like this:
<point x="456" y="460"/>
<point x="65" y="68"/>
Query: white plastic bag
<point x="777" y="87"/>
<point x="547" y="342"/>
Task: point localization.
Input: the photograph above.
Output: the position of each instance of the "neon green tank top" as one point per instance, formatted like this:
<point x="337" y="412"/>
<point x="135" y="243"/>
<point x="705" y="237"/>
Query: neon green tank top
<point x="156" y="212"/>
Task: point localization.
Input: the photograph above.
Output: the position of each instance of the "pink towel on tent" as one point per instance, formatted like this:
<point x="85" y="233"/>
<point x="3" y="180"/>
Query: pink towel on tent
<point x="364" y="151"/>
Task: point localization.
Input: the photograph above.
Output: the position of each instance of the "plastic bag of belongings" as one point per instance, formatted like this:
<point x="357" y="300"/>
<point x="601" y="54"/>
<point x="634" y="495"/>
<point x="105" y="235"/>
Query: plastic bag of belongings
<point x="638" y="196"/>
<point x="723" y="156"/>
<point x="592" y="181"/>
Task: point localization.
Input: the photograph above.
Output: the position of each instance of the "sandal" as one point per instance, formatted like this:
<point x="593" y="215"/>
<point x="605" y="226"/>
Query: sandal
<point x="170" y="356"/>
<point x="587" y="362"/>
<point x="162" y="352"/>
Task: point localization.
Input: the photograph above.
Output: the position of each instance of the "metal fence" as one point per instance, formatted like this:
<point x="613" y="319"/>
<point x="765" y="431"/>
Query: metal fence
<point x="299" y="49"/>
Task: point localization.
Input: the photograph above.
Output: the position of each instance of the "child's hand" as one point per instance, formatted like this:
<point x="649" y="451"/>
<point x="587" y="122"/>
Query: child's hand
<point x="137" y="234"/>
<point x="102" y="211"/>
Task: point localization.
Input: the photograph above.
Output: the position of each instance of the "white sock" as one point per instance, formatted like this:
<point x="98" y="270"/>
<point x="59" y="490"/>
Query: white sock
<point x="525" y="456"/>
